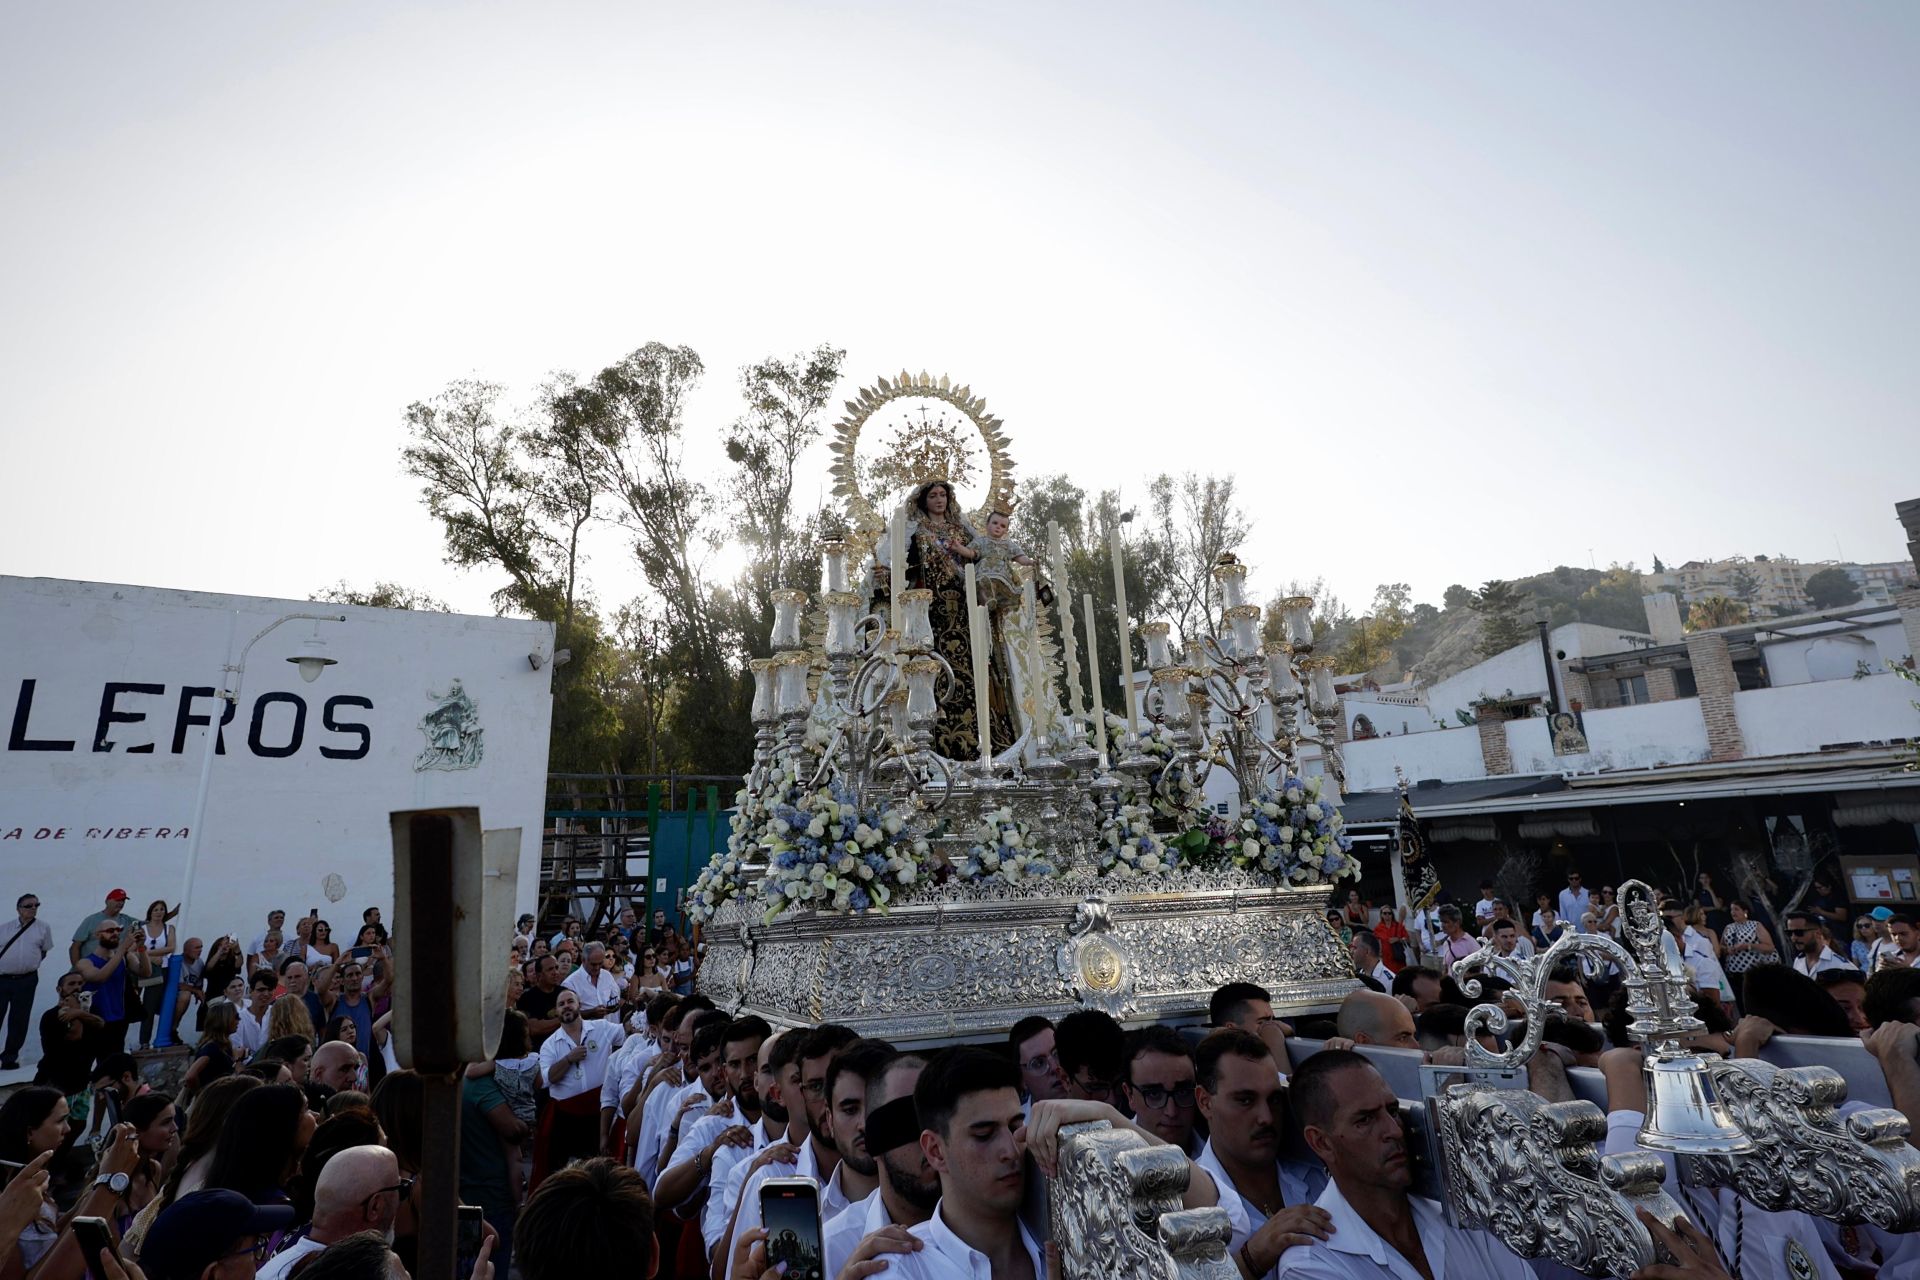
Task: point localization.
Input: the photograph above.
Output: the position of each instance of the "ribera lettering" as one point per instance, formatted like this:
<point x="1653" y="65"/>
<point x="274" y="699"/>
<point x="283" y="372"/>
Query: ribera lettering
<point x="276" y="726"/>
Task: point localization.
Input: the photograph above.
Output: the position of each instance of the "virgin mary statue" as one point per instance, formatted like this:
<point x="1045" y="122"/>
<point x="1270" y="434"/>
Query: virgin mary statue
<point x="939" y="547"/>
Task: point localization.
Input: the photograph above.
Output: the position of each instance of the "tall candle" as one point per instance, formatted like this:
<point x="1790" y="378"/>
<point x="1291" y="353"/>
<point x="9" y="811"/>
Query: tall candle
<point x="1063" y="602"/>
<point x="1126" y="623"/>
<point x="1093" y="670"/>
<point x="1036" y="671"/>
<point x="980" y="631"/>
<point x="897" y="561"/>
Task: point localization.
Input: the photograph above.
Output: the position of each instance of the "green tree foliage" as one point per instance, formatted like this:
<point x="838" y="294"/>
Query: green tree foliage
<point x="1369" y="643"/>
<point x="1743" y="583"/>
<point x="1716" y="611"/>
<point x="381" y="595"/>
<point x="1457" y="597"/>
<point x="1196" y="520"/>
<point x="1831" y="589"/>
<point x="1498" y="605"/>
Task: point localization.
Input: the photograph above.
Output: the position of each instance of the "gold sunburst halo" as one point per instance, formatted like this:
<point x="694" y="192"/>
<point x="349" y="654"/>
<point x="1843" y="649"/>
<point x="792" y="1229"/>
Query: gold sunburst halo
<point x="865" y="521"/>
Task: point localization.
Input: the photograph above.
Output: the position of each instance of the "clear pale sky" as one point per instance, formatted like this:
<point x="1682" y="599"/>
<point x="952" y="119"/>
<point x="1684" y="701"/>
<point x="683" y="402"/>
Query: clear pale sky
<point x="1456" y="291"/>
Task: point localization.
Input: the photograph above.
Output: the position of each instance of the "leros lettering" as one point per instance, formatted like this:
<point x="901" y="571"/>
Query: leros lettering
<point x="276" y="728"/>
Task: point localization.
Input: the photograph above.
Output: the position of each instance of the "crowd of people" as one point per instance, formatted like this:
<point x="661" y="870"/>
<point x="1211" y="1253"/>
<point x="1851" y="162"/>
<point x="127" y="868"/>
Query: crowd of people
<point x="625" y="1122"/>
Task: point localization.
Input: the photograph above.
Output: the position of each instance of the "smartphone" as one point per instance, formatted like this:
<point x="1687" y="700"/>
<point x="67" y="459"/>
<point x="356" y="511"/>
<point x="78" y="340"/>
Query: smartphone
<point x="94" y="1238"/>
<point x="790" y="1211"/>
<point x="469" y="1233"/>
<point x="360" y="953"/>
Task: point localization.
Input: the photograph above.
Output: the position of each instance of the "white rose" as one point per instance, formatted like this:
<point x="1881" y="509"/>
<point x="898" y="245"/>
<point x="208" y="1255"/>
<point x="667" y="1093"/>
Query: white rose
<point x="907" y="875"/>
<point x="1286" y="835"/>
<point x="866" y="872"/>
<point x="1150" y="862"/>
<point x="1315" y="812"/>
<point x="817" y="828"/>
<point x="817" y="872"/>
<point x="893" y="824"/>
<point x="1013" y="840"/>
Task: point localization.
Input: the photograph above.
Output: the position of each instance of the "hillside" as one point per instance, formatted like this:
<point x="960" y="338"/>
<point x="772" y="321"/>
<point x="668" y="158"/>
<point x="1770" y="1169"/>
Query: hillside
<point x="1442" y="640"/>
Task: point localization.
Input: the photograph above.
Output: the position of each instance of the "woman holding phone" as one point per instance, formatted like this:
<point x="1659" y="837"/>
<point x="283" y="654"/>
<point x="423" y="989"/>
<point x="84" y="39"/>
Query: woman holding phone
<point x="33" y="1125"/>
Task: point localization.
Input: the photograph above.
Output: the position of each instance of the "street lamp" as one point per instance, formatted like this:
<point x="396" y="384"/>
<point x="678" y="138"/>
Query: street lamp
<point x="312" y="659"/>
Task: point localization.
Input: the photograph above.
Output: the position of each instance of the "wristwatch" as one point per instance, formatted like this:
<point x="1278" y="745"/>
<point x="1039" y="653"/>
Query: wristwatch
<point x="114" y="1182"/>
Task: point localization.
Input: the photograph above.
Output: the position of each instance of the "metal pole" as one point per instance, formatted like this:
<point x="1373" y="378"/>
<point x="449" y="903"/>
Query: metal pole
<point x="432" y="969"/>
<point x="1546" y="655"/>
<point x="224" y="696"/>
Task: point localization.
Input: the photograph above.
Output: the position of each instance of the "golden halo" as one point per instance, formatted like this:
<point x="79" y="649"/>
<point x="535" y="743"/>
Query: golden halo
<point x="861" y="514"/>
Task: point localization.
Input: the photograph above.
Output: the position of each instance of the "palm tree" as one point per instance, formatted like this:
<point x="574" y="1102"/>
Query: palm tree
<point x="1715" y="611"/>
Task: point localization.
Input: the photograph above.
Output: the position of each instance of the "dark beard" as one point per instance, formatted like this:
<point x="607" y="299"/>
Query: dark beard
<point x="773" y="1111"/>
<point x="910" y="1190"/>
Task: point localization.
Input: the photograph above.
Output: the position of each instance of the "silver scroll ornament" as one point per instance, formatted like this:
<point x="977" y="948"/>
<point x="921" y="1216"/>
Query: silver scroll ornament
<point x="1116" y="1210"/>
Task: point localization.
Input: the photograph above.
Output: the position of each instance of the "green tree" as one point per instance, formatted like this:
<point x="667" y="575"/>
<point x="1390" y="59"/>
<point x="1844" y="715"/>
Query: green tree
<point x="1457" y="597"/>
<point x="381" y="595"/>
<point x="1370" y="640"/>
<point x="1743" y="583"/>
<point x="1831" y="589"/>
<point x="1197" y="520"/>
<point x="1715" y="611"/>
<point x="1498" y="604"/>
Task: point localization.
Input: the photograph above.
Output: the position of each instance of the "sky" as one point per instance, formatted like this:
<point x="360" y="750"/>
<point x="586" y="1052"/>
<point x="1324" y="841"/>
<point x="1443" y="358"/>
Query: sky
<point x="1454" y="292"/>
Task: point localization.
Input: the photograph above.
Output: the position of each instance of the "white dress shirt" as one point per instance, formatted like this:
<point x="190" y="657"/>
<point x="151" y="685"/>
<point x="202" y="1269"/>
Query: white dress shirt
<point x="833" y="1199"/>
<point x="276" y="1267"/>
<point x="1245" y="1216"/>
<point x="849" y="1227"/>
<point x="656" y="1126"/>
<point x="1772" y="1246"/>
<point x="729" y="1170"/>
<point x="251" y="1035"/>
<point x="600" y="1039"/>
<point x="695" y="1134"/>
<point x="1382" y="975"/>
<point x="1574" y="906"/>
<point x="601" y="989"/>
<point x="623" y="1068"/>
<point x="30" y="944"/>
<point x="945" y="1256"/>
<point x="1826" y="960"/>
<point x="1356" y="1251"/>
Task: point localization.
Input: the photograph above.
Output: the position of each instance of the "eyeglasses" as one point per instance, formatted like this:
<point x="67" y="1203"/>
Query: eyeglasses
<point x="29" y="906"/>
<point x="1044" y="1062"/>
<point x="1094" y="1088"/>
<point x="261" y="1249"/>
<point x="404" y="1187"/>
<point x="1156" y="1096"/>
<point x="1795" y="933"/>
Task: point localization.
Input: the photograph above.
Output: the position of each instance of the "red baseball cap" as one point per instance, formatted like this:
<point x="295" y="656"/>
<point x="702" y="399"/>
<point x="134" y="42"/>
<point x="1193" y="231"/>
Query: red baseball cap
<point x="118" y="893"/>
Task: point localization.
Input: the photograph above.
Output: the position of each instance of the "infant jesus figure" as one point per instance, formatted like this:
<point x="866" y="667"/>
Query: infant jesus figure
<point x="998" y="554"/>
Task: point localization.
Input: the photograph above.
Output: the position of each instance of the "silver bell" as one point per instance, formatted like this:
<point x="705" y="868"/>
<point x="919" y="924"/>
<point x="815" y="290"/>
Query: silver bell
<point x="1684" y="1110"/>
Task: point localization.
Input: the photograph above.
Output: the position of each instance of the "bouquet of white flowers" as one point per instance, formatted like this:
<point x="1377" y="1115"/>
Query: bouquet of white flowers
<point x="1293" y="834"/>
<point x="725" y="877"/>
<point x="1003" y="847"/>
<point x="1128" y="847"/>
<point x="832" y="854"/>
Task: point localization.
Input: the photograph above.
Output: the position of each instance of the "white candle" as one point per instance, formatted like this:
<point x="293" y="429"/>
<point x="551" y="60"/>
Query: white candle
<point x="1126" y="624"/>
<point x="1063" y="602"/>
<point x="1093" y="671"/>
<point x="897" y="562"/>
<point x="1036" y="676"/>
<point x="980" y="632"/>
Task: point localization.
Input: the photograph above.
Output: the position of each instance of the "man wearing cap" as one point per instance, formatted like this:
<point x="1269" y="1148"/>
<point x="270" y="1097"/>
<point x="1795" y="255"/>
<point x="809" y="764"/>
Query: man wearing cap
<point x="210" y="1235"/>
<point x="90" y="927"/>
<point x="1885" y="952"/>
<point x="114" y="947"/>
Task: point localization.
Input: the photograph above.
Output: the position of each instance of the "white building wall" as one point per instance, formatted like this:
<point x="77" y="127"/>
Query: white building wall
<point x="110" y="810"/>
<point x="1807" y="717"/>
<point x="1833" y="656"/>
<point x="1637" y="737"/>
<point x="1451" y="755"/>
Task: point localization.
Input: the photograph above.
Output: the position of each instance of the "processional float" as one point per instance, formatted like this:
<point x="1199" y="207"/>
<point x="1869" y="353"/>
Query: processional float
<point x="873" y="882"/>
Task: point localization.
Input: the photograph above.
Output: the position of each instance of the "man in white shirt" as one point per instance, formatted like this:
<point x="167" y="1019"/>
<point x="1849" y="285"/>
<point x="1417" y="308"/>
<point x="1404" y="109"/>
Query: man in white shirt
<point x="1808" y="938"/>
<point x="573" y="1063"/>
<point x="599" y="991"/>
<point x="257" y="949"/>
<point x="1575" y="902"/>
<point x="1377" y="1230"/>
<point x="1483" y="908"/>
<point x="1365" y="950"/>
<point x="809" y="1152"/>
<point x="665" y="1107"/>
<point x="251" y="1036"/>
<point x="908" y="1188"/>
<point x="1160" y="1086"/>
<point x="1267" y="1200"/>
<point x="25" y="944"/>
<point x="735" y="1047"/>
<point x="732" y="1165"/>
<point x="1508" y="942"/>
<point x="972" y="1131"/>
<point x="1906" y="941"/>
<point x="358" y="1190"/>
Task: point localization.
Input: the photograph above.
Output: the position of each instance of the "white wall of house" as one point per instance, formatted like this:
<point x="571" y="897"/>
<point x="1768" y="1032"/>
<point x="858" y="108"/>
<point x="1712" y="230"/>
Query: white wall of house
<point x="1807" y="717"/>
<point x="1451" y="755"/>
<point x="1635" y="737"/>
<point x="1834" y="655"/>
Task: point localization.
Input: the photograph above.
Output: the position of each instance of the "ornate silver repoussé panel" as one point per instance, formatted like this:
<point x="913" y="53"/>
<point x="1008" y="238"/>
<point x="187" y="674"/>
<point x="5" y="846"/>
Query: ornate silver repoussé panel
<point x="968" y="962"/>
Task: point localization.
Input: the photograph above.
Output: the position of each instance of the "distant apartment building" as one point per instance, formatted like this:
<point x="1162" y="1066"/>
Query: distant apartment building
<point x="1771" y="586"/>
<point x="1877" y="583"/>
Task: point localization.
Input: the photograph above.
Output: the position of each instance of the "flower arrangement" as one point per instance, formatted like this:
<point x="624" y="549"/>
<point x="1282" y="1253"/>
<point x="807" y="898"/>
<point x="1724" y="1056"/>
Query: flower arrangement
<point x="1003" y="848"/>
<point x="1128" y="846"/>
<point x="832" y="854"/>
<point x="725" y="875"/>
<point x="1290" y="832"/>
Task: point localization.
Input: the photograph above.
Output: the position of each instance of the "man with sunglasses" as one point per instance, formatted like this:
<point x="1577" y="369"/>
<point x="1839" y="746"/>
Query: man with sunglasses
<point x="360" y="1189"/>
<point x="1808" y="938"/>
<point x="1160" y="1086"/>
<point x="116" y="952"/>
<point x="23" y="948"/>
